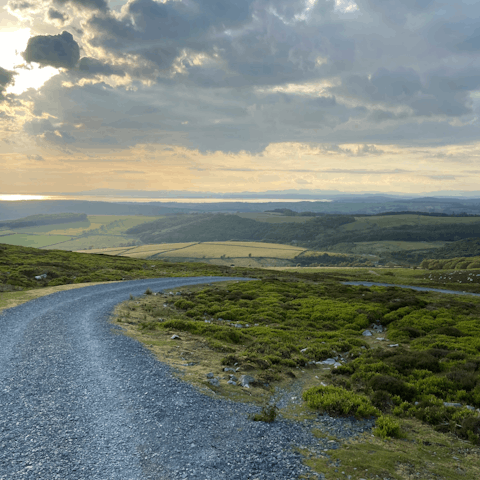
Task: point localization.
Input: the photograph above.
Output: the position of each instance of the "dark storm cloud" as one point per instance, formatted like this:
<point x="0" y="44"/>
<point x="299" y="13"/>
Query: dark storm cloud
<point x="56" y="15"/>
<point x="87" y="4"/>
<point x="6" y="79"/>
<point x="59" y="51"/>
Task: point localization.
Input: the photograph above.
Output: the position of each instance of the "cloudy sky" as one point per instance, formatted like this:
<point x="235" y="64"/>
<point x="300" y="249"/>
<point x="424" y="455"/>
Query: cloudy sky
<point x="239" y="95"/>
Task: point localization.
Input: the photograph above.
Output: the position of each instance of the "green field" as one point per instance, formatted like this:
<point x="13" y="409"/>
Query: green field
<point x="34" y="240"/>
<point x="243" y="254"/>
<point x="98" y="232"/>
<point x="386" y="221"/>
<point x="382" y="247"/>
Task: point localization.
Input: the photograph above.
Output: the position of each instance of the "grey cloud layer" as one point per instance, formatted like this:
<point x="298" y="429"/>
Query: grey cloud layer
<point x="393" y="72"/>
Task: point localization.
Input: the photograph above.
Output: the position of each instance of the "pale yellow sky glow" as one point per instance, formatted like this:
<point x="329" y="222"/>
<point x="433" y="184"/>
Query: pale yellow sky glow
<point x="256" y="96"/>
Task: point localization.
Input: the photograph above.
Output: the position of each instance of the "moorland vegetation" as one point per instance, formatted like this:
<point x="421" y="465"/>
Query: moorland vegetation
<point x="277" y="327"/>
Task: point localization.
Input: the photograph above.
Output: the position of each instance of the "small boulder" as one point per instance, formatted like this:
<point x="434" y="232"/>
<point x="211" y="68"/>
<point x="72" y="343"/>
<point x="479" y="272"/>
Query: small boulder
<point x="231" y="382"/>
<point x="246" y="380"/>
<point x="175" y="337"/>
<point x="215" y="382"/>
<point x="210" y="375"/>
<point x="367" y="333"/>
<point x="328" y="361"/>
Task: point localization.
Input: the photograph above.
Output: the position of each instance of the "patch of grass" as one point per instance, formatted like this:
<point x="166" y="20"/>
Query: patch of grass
<point x="30" y="240"/>
<point x="422" y="453"/>
<point x="387" y="426"/>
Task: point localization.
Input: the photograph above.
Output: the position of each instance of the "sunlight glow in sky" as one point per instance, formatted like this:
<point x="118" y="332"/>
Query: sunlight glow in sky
<point x="18" y="197"/>
<point x="12" y="43"/>
<point x="259" y="95"/>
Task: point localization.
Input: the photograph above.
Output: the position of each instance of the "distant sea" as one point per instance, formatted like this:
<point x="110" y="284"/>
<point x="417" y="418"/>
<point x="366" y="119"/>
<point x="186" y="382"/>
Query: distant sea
<point x="105" y="198"/>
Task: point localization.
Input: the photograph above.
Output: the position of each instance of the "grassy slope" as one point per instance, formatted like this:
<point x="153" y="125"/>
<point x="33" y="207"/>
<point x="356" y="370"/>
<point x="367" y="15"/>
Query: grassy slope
<point x="19" y="266"/>
<point x="99" y="231"/>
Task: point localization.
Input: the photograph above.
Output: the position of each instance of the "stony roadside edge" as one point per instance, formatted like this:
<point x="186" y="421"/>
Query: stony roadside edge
<point x="78" y="401"/>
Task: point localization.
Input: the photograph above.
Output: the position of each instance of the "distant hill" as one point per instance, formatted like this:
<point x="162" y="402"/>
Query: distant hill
<point x="338" y="204"/>
<point x="38" y="220"/>
<point x="221" y="227"/>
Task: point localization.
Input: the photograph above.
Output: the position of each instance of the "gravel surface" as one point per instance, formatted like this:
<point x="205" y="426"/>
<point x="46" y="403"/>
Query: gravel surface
<point x="78" y="400"/>
<point x="411" y="287"/>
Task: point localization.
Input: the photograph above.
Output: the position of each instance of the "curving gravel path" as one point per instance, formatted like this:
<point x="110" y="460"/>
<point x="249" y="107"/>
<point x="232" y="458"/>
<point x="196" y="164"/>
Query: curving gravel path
<point x="411" y="287"/>
<point x="78" y="400"/>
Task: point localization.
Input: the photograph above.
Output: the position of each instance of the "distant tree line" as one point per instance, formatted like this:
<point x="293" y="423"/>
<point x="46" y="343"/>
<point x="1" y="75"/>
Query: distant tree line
<point x="424" y="214"/>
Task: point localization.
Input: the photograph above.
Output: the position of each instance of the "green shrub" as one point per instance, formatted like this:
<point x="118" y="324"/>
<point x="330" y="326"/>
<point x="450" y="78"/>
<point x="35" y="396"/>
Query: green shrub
<point x="470" y="429"/>
<point x="230" y="360"/>
<point x="382" y="400"/>
<point x="338" y="401"/>
<point x="268" y="414"/>
<point x="392" y="385"/>
<point x="450" y="331"/>
<point x="184" y="304"/>
<point x="387" y="427"/>
<point x="414" y="360"/>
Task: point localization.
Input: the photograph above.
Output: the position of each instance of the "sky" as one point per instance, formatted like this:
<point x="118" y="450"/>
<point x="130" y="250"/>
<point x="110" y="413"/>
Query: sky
<point x="239" y="95"/>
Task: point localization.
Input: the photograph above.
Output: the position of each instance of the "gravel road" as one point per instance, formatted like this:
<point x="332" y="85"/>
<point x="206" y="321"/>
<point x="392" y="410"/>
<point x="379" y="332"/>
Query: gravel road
<point x="412" y="287"/>
<point x="78" y="400"/>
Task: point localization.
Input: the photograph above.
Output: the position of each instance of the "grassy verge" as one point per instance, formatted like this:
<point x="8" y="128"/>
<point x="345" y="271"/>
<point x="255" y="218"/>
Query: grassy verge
<point x="422" y="454"/>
